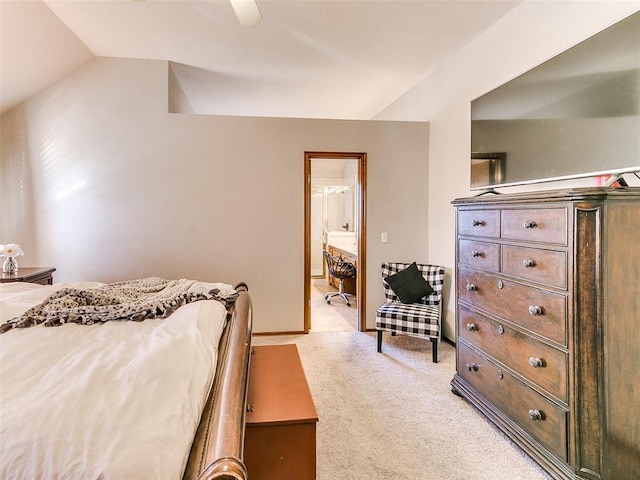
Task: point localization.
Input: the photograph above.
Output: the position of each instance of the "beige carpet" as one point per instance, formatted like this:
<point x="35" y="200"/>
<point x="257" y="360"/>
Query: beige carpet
<point x="392" y="415"/>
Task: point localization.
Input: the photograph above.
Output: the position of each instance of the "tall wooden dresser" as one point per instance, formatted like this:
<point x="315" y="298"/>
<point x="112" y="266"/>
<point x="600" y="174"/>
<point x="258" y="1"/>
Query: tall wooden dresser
<point x="548" y="325"/>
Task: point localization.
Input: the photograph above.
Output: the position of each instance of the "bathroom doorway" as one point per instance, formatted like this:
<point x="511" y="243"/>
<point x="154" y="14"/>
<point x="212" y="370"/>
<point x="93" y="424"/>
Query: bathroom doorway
<point x="335" y="194"/>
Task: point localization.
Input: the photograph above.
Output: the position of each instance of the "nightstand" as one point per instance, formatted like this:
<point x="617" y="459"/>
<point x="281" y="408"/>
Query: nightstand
<point x="42" y="276"/>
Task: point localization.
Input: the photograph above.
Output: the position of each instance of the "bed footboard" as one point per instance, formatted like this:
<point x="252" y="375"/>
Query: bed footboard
<point x="217" y="452"/>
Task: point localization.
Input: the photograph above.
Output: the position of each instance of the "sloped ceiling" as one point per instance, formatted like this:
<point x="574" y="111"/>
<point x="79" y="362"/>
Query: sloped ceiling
<point x="311" y="59"/>
<point x="36" y="50"/>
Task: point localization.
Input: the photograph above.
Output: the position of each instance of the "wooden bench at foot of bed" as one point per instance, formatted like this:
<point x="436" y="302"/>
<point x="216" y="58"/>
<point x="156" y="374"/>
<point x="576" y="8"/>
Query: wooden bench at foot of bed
<point x="280" y="434"/>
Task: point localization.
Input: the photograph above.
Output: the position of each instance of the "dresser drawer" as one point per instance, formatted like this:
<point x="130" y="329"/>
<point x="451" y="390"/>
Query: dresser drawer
<point x="533" y="413"/>
<point x="481" y="223"/>
<point x="539" y="363"/>
<point x="547" y="225"/>
<point x="534" y="309"/>
<point x="479" y="254"/>
<point x="544" y="266"/>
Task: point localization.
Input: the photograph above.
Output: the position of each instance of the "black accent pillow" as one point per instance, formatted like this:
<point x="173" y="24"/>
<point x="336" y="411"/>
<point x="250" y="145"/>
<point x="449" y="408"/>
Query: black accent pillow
<point x="409" y="284"/>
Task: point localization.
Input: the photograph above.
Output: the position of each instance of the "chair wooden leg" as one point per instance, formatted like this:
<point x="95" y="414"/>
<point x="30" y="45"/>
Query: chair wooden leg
<point x="434" y="350"/>
<point x="379" y="341"/>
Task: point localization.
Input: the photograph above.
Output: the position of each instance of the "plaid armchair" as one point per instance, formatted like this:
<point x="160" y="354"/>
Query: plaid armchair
<point x="417" y="319"/>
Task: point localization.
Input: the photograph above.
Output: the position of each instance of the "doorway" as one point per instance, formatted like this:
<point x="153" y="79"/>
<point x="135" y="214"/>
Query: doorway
<point x="318" y="198"/>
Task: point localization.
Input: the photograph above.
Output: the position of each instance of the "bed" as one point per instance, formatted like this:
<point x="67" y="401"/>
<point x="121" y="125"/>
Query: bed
<point x="163" y="398"/>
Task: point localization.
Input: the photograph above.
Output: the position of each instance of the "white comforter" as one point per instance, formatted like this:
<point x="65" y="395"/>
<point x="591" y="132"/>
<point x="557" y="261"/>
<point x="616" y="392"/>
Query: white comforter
<point x="121" y="400"/>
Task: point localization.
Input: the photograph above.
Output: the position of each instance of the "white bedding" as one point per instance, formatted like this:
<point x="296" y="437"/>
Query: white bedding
<point x="120" y="400"/>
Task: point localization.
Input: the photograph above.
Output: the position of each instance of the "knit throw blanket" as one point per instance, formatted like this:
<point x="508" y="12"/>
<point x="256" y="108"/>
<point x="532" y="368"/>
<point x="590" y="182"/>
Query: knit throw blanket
<point x="134" y="300"/>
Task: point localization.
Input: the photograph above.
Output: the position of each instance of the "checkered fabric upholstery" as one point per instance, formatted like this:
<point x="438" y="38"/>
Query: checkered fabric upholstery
<point x="420" y="319"/>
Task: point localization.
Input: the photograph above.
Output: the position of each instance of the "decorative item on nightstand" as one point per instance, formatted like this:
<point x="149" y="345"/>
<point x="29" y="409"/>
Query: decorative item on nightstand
<point x="10" y="251"/>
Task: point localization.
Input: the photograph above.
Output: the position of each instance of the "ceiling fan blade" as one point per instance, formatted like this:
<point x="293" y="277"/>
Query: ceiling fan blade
<point x="247" y="12"/>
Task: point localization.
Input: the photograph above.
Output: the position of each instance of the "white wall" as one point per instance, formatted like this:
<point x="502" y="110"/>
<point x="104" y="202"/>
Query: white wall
<point x="527" y="36"/>
<point x="101" y="182"/>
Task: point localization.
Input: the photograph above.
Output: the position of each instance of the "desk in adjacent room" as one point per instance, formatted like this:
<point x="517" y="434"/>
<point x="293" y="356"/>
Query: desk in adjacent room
<point x="348" y="255"/>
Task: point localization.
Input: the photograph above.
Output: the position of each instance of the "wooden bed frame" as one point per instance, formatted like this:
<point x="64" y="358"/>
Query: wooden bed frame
<point x="217" y="451"/>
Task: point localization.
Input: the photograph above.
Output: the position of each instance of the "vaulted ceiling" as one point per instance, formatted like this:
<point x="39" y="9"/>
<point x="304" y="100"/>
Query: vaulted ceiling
<point x="311" y="59"/>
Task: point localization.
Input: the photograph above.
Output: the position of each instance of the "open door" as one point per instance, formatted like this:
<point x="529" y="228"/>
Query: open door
<point x="360" y="230"/>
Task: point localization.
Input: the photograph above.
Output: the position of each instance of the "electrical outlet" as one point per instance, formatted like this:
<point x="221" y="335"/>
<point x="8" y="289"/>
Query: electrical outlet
<point x="385" y="237"/>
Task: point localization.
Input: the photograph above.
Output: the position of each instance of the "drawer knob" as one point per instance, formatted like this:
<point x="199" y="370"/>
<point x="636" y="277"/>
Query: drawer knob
<point x="471" y="287"/>
<point x="528" y="263"/>
<point x="472" y="327"/>
<point x="536" y="362"/>
<point x="530" y="224"/>
<point x="476" y="254"/>
<point x="500" y="329"/>
<point x="478" y="223"/>
<point x="535" y="310"/>
<point x="535" y="415"/>
<point x="472" y="367"/>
